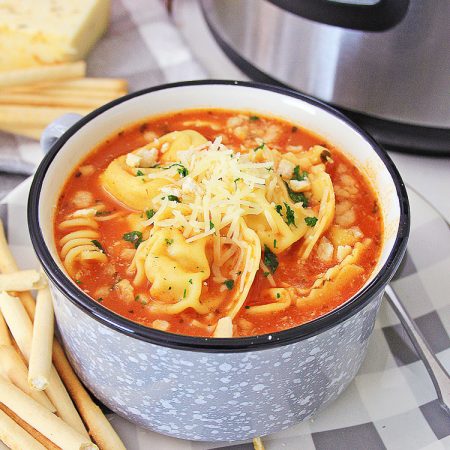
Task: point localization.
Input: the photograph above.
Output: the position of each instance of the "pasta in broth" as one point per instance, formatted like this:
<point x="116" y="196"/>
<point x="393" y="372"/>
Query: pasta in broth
<point x="204" y="215"/>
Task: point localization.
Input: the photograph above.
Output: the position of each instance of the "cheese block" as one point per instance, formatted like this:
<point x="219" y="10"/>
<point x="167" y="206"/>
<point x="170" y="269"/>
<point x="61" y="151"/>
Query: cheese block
<point x="37" y="32"/>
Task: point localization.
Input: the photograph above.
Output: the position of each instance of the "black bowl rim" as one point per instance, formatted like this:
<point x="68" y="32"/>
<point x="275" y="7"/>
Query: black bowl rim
<point x="203" y="344"/>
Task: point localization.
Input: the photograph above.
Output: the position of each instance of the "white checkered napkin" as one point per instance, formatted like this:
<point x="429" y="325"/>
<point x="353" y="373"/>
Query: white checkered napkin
<point x="142" y="45"/>
<point x="391" y="403"/>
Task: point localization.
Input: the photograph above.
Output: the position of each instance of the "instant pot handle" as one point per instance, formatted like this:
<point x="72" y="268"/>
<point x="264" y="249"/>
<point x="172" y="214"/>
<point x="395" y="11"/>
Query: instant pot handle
<point x="56" y="129"/>
<point x="363" y="15"/>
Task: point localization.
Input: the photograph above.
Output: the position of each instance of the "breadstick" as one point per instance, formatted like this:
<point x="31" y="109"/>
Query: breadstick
<point x="57" y="92"/>
<point x="16" y="437"/>
<point x="5" y="338"/>
<point x="49" y="445"/>
<point x="43" y="99"/>
<point x="14" y="369"/>
<point x="51" y="426"/>
<point x="95" y="85"/>
<point x="21" y="328"/>
<point x="224" y="328"/>
<point x="35" y="116"/>
<point x="22" y="280"/>
<point x="8" y="265"/>
<point x="41" y="345"/>
<point x="44" y="73"/>
<point x="27" y="131"/>
<point x="99" y="427"/>
<point x="257" y="444"/>
<point x="18" y="322"/>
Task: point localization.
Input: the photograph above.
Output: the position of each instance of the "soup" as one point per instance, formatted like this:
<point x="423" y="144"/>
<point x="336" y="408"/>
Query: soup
<point x="218" y="223"/>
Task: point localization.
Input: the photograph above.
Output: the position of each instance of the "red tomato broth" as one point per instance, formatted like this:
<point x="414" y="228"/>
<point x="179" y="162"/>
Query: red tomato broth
<point x="291" y="271"/>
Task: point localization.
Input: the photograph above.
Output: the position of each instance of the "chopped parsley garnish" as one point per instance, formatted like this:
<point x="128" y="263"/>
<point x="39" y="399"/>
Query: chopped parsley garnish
<point x="297" y="197"/>
<point x="236" y="180"/>
<point x="211" y="225"/>
<point x="136" y="299"/>
<point x="150" y="213"/>
<point x="190" y="281"/>
<point x="169" y="241"/>
<point x="274" y="243"/>
<point x="173" y="198"/>
<point x="270" y="259"/>
<point x="290" y="216"/>
<point x="266" y="274"/>
<point x="299" y="176"/>
<point x="100" y="299"/>
<point x="184" y="293"/>
<point x="260" y="147"/>
<point x="311" y="221"/>
<point x="278" y="295"/>
<point x="253" y="118"/>
<point x="183" y="171"/>
<point x="102" y="213"/>
<point x="278" y="209"/>
<point x="325" y="156"/>
<point x="229" y="284"/>
<point x="98" y="245"/>
<point x="139" y="173"/>
<point x="78" y="282"/>
<point x="247" y="307"/>
<point x="135" y="237"/>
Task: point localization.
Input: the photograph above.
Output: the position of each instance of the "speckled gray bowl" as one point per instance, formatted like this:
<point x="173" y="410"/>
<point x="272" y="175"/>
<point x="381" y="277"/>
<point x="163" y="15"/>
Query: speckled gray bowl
<point x="214" y="389"/>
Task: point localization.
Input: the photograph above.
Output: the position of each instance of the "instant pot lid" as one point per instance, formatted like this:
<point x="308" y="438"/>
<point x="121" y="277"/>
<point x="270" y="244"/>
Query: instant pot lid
<point x="394" y="135"/>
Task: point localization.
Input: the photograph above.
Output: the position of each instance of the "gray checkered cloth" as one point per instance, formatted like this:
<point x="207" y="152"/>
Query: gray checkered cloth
<point x="391" y="403"/>
<point x="141" y="45"/>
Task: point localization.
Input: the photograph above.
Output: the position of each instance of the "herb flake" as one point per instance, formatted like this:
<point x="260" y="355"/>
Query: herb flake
<point x="173" y="198"/>
<point x="297" y="197"/>
<point x="290" y="215"/>
<point x="270" y="259"/>
<point x="150" y="213"/>
<point x="311" y="221"/>
<point x="139" y="173"/>
<point x="229" y="284"/>
<point x="299" y="176"/>
<point x="98" y="245"/>
<point x="260" y="147"/>
<point x="135" y="237"/>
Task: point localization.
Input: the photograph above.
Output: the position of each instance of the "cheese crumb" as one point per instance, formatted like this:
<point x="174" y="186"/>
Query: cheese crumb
<point x="299" y="186"/>
<point x="149" y="157"/>
<point x="325" y="250"/>
<point x="343" y="251"/>
<point x="161" y="325"/>
<point x="132" y="160"/>
<point x="285" y="169"/>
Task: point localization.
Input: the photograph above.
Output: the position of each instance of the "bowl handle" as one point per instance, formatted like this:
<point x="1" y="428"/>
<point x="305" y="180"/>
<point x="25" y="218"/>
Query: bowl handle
<point x="56" y="129"/>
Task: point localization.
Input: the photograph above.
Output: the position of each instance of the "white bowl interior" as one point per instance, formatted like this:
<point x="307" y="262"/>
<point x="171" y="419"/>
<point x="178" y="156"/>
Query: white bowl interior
<point x="333" y="129"/>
